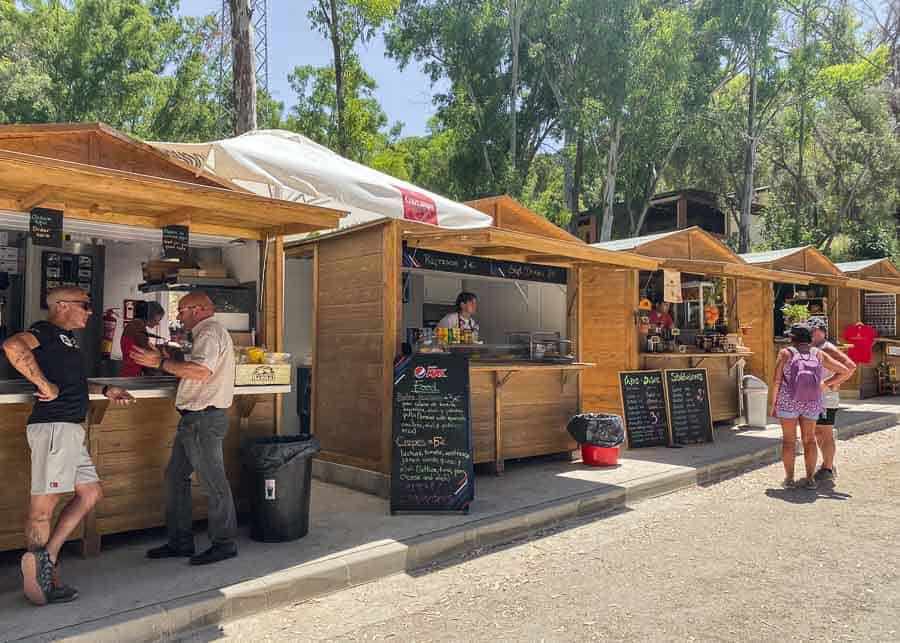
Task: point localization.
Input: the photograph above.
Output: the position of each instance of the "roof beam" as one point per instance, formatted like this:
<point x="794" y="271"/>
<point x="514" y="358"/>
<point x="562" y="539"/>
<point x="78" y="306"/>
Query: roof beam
<point x="181" y="216"/>
<point x="39" y="195"/>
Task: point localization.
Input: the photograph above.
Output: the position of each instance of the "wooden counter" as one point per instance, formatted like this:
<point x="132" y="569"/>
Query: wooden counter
<point x="521" y="409"/>
<point x="130" y="447"/>
<point x="722" y="374"/>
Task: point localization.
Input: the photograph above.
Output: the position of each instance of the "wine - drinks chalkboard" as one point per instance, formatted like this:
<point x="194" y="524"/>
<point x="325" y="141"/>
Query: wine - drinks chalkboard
<point x="176" y="242"/>
<point x="431" y="464"/>
<point x="689" y="411"/>
<point x="46" y="227"/>
<point x="644" y="404"/>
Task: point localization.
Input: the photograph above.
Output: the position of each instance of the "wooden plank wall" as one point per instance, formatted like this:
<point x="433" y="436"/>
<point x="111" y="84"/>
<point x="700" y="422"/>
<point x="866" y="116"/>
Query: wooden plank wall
<point x="756" y="308"/>
<point x="351" y="335"/>
<point x="271" y="317"/>
<point x="609" y="298"/>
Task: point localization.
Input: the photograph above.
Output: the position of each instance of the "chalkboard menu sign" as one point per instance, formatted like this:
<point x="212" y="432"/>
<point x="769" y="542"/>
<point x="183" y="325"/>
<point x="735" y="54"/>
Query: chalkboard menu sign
<point x="431" y="468"/>
<point x="644" y="402"/>
<point x="46" y="227"/>
<point x="176" y="241"/>
<point x="689" y="410"/>
<point x="467" y="265"/>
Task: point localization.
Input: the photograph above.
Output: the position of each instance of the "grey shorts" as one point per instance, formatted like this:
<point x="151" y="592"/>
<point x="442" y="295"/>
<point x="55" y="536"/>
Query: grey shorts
<point x="59" y="458"/>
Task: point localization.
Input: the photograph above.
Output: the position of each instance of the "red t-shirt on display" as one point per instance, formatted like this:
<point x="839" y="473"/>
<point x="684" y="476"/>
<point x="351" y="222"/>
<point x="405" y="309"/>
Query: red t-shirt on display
<point x="662" y="320"/>
<point x="862" y="338"/>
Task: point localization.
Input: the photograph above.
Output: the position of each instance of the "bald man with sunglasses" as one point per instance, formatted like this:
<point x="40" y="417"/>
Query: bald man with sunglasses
<point x="48" y="355"/>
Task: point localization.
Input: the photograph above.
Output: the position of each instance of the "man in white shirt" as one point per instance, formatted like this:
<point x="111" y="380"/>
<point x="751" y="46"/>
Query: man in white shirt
<point x="205" y="393"/>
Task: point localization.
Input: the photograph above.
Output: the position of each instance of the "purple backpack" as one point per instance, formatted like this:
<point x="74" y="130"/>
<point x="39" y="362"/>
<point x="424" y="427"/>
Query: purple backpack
<point x="804" y="376"/>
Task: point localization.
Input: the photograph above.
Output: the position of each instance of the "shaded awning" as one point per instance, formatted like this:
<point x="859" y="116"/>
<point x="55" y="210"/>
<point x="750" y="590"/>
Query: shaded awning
<point x="92" y="193"/>
<point x="519" y="246"/>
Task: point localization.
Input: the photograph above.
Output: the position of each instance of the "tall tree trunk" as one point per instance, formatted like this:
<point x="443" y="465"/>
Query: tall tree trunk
<point x="569" y="180"/>
<point x="243" y="67"/>
<point x="638" y="223"/>
<point x="749" y="160"/>
<point x="515" y="23"/>
<point x="340" y="99"/>
<point x="801" y="143"/>
<point x="612" y="170"/>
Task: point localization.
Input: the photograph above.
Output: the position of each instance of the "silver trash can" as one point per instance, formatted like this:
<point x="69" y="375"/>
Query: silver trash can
<point x="756" y="401"/>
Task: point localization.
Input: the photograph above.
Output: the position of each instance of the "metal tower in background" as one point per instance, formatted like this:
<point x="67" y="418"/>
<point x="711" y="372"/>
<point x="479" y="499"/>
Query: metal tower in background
<point x="259" y="10"/>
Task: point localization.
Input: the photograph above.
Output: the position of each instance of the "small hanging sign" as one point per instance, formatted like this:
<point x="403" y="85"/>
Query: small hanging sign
<point x="176" y="242"/>
<point x="46" y="227"/>
<point x="672" y="286"/>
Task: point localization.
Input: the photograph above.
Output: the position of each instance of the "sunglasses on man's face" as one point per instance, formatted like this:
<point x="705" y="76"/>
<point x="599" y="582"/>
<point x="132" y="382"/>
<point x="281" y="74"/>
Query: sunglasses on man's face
<point x="85" y="305"/>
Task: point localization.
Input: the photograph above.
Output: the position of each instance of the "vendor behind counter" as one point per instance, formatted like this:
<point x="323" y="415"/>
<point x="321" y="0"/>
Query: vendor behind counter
<point x="137" y="334"/>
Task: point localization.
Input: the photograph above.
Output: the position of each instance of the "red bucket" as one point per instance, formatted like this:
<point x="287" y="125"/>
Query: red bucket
<point x="599" y="456"/>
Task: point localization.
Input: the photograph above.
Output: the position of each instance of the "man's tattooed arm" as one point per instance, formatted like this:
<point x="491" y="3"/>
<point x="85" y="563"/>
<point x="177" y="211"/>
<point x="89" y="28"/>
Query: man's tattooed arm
<point x="18" y="349"/>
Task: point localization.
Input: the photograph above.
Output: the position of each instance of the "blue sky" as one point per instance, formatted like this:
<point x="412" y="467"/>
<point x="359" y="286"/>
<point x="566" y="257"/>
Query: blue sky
<point x="405" y="96"/>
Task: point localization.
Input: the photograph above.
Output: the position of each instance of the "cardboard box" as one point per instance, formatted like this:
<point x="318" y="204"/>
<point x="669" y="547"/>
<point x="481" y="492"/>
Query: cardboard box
<point x="262" y="374"/>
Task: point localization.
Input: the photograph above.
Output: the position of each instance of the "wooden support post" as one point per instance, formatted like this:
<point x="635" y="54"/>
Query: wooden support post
<point x="681" y="213"/>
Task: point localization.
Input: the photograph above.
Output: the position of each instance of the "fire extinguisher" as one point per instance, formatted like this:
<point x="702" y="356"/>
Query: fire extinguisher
<point x="110" y="321"/>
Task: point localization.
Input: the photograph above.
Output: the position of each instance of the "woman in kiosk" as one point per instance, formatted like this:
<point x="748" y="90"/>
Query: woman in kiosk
<point x="137" y="334"/>
<point x="798" y="392"/>
<point x="462" y="319"/>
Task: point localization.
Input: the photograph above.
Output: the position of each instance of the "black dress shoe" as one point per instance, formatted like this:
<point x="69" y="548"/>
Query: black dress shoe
<point x="219" y="551"/>
<point x="167" y="551"/>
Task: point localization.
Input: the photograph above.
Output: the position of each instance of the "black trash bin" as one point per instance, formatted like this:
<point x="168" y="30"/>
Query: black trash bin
<point x="280" y="473"/>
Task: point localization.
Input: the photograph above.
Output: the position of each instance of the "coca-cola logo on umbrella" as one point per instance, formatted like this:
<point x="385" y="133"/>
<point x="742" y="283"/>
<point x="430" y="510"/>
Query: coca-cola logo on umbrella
<point x="418" y="207"/>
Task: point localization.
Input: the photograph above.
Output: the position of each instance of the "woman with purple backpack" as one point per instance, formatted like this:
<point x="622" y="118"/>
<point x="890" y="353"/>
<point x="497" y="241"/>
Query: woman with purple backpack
<point x="798" y="393"/>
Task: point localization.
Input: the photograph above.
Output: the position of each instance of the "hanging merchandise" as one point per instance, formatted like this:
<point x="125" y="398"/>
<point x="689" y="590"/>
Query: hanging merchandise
<point x="672" y="286"/>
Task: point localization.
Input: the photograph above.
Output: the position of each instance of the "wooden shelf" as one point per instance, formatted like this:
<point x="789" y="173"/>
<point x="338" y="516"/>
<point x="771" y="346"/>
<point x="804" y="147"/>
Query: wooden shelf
<point x="518" y="366"/>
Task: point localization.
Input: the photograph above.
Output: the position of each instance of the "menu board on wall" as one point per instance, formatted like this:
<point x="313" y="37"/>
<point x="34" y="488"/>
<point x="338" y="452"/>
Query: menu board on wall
<point x="46" y="227"/>
<point x="690" y="415"/>
<point x="468" y="265"/>
<point x="431" y="464"/>
<point x="176" y="242"/>
<point x="644" y="403"/>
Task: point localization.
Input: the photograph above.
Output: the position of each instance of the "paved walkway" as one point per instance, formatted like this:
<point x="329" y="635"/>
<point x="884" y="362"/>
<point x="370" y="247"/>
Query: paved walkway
<point x="353" y="539"/>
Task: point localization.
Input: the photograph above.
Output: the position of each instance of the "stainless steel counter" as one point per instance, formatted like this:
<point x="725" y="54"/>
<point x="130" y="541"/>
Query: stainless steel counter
<point x="22" y="392"/>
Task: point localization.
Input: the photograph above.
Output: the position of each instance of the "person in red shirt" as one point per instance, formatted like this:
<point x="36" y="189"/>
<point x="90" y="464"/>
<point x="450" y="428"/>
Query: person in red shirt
<point x="660" y="316"/>
<point x="862" y="338"/>
<point x="136" y="335"/>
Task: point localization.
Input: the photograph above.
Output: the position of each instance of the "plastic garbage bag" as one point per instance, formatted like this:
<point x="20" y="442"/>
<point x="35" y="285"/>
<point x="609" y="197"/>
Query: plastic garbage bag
<point x="272" y="453"/>
<point x="597" y="429"/>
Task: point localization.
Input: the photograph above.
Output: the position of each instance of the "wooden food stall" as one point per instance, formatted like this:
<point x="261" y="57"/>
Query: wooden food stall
<point x="115" y="195"/>
<point x="380" y="285"/>
<point x="716" y="322"/>
<point x="873" y="304"/>
<point x="811" y="280"/>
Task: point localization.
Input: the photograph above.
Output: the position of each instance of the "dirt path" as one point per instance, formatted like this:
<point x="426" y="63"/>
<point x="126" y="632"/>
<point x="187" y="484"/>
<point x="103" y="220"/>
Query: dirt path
<point x="738" y="561"/>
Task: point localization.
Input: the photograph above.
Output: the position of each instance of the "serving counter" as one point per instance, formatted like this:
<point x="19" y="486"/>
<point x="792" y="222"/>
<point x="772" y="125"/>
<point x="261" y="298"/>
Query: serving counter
<point x="724" y="371"/>
<point x="130" y="447"/>
<point x="521" y="408"/>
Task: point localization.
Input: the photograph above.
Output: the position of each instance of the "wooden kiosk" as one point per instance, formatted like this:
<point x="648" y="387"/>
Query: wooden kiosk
<point x="519" y="408"/>
<point x="810" y="278"/>
<point x="874" y="305"/>
<point x="696" y="255"/>
<point x="120" y="188"/>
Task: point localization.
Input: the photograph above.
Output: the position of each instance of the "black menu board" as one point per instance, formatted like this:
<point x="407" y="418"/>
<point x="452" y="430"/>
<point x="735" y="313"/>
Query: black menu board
<point x="431" y="465"/>
<point x="644" y="403"/>
<point x="46" y="227"/>
<point x="176" y="241"/>
<point x="689" y="410"/>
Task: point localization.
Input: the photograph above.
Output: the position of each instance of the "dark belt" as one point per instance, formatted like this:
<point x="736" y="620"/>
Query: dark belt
<point x="184" y="412"/>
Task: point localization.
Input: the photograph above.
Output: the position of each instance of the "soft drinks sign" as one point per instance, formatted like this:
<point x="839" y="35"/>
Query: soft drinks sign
<point x="418" y="207"/>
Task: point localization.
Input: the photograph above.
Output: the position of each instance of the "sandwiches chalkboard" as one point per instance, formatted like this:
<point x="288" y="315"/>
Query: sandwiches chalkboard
<point x="644" y="403"/>
<point x="46" y="227"/>
<point x="431" y="465"/>
<point x="689" y="411"/>
<point x="176" y="242"/>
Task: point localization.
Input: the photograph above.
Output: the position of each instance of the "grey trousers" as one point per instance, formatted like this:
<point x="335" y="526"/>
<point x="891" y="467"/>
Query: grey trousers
<point x="198" y="447"/>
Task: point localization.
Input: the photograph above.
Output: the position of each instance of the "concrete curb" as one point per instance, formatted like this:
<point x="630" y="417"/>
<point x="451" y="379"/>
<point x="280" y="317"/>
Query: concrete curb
<point x="171" y="619"/>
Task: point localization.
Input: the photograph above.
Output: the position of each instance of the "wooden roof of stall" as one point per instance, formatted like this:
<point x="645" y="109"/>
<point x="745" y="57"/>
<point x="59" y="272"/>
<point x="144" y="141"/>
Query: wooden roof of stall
<point x="100" y="145"/>
<point x="112" y="196"/>
<point x="805" y="260"/>
<point x="882" y="268"/>
<point x="509" y="214"/>
<point x="493" y="243"/>
<point x="694" y="250"/>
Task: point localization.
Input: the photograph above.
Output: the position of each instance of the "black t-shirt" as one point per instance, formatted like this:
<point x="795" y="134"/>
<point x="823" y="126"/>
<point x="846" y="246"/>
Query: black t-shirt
<point x="61" y="361"/>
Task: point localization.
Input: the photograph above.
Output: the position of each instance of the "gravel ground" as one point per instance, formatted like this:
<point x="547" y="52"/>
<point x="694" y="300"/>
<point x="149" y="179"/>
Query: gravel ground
<point x="742" y="560"/>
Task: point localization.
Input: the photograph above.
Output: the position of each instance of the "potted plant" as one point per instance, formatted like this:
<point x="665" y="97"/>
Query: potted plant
<point x="794" y="314"/>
